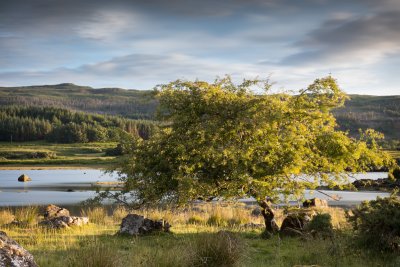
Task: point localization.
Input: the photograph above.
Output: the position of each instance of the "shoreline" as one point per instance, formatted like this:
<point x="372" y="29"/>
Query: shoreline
<point x="50" y="167"/>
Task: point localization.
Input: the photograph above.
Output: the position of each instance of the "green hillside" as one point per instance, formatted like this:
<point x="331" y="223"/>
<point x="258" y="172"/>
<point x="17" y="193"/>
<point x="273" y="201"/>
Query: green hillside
<point x="381" y="113"/>
<point x="134" y="104"/>
<point x="361" y="111"/>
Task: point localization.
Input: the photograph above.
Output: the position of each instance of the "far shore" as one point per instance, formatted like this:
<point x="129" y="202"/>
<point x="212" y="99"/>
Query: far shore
<point x="48" y="167"/>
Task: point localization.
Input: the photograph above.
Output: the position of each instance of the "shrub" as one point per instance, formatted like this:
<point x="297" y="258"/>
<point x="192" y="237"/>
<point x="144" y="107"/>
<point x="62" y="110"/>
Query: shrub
<point x="321" y="224"/>
<point x="221" y="249"/>
<point x="395" y="173"/>
<point x="377" y="223"/>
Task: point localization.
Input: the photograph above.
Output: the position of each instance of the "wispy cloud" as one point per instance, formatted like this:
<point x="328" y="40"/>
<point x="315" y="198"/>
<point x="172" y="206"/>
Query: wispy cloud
<point x="138" y="44"/>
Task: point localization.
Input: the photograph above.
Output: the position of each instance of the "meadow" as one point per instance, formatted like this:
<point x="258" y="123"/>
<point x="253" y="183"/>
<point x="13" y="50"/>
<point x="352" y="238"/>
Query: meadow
<point x="70" y="155"/>
<point x="195" y="240"/>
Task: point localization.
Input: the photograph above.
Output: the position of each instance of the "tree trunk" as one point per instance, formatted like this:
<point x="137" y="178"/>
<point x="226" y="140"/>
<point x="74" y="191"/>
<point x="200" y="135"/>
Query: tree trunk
<point x="270" y="224"/>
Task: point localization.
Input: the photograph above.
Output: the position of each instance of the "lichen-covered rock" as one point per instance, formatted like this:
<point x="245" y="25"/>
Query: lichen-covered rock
<point x="134" y="224"/>
<point x="52" y="211"/>
<point x="13" y="255"/>
<point x="315" y="202"/>
<point x="24" y="178"/>
<point x="65" y="221"/>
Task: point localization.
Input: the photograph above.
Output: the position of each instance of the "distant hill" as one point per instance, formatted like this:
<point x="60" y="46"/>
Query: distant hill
<point x="381" y="113"/>
<point x="134" y="104"/>
<point x="361" y="111"/>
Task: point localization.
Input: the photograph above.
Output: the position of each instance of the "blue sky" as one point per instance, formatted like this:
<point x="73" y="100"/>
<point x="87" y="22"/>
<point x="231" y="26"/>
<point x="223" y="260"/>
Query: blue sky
<point x="139" y="44"/>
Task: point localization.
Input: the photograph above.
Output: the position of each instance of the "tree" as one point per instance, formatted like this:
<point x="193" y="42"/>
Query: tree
<point x="221" y="140"/>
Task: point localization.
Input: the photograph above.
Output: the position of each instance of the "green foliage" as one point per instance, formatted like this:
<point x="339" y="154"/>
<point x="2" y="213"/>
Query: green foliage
<point x="64" y="126"/>
<point x="377" y="223"/>
<point x="394" y="173"/>
<point x="222" y="140"/>
<point x="321" y="225"/>
<point x="27" y="154"/>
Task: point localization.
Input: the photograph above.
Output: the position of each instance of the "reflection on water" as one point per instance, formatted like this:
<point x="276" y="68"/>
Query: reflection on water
<point x="74" y="186"/>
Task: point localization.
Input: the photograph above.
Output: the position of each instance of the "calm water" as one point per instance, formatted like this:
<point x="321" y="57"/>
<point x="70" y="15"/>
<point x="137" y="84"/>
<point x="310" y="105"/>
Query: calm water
<point x="53" y="186"/>
<point x="49" y="186"/>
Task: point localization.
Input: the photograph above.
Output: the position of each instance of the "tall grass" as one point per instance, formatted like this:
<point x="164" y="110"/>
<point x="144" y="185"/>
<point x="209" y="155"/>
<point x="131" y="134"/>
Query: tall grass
<point x="96" y="254"/>
<point x="220" y="249"/>
<point x="27" y="215"/>
<point x="6" y="216"/>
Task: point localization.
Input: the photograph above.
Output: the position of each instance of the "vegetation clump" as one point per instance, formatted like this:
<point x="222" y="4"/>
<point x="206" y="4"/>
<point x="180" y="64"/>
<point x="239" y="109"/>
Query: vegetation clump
<point x="320" y="225"/>
<point x="377" y="223"/>
<point x="220" y="249"/>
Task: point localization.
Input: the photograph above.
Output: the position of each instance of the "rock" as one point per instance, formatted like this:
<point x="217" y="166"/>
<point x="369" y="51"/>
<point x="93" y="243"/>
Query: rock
<point x="294" y="224"/>
<point x="24" y="178"/>
<point x="134" y="224"/>
<point x="65" y="221"/>
<point x="52" y="211"/>
<point x="315" y="202"/>
<point x="13" y="255"/>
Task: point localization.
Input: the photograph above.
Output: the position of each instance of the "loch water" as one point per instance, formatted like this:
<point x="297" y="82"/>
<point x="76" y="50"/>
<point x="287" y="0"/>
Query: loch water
<point x="64" y="186"/>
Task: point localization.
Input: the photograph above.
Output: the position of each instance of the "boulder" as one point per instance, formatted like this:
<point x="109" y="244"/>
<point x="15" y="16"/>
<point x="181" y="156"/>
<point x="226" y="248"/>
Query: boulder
<point x="134" y="224"/>
<point x="65" y="221"/>
<point x="24" y="178"/>
<point x="294" y="224"/>
<point x="13" y="255"/>
<point x="315" y="202"/>
<point x="52" y="211"/>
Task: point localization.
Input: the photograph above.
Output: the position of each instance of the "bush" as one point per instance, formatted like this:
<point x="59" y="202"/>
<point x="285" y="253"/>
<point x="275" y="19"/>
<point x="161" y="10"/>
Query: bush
<point x="321" y="225"/>
<point x="377" y="223"/>
<point x="221" y="249"/>
<point x="395" y="173"/>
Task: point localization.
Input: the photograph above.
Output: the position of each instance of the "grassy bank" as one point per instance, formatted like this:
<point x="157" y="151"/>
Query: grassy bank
<point x="61" y="155"/>
<point x="193" y="242"/>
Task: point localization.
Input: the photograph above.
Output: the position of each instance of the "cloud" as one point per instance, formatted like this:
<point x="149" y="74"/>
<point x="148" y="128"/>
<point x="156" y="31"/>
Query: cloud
<point x="342" y="42"/>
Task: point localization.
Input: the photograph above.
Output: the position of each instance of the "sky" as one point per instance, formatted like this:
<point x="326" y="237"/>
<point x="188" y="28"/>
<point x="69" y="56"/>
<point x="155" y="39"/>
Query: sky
<point x="139" y="44"/>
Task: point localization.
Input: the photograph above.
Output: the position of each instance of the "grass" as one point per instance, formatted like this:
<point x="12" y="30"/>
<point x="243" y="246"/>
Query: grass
<point x="188" y="245"/>
<point x="87" y="154"/>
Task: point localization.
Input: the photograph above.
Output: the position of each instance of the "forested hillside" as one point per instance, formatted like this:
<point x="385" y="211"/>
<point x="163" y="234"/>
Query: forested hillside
<point x="133" y="104"/>
<point x="379" y="112"/>
<point x="65" y="126"/>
